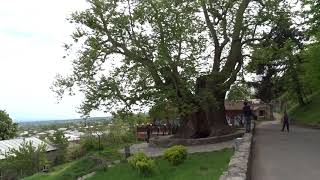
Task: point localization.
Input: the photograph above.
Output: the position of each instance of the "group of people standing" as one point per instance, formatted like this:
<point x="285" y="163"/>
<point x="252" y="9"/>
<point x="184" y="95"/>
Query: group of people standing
<point x="247" y="115"/>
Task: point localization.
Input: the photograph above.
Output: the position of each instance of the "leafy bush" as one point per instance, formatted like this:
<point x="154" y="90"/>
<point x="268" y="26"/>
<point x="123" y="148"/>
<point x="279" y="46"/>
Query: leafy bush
<point x="142" y="163"/>
<point x="24" y="161"/>
<point x="145" y="167"/>
<point x="176" y="154"/>
<point x="76" y="152"/>
<point x="61" y="142"/>
<point x="119" y="134"/>
<point x="90" y="143"/>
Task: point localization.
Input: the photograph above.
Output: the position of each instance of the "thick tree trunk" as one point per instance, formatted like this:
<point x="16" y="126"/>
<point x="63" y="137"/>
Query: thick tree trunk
<point x="208" y="120"/>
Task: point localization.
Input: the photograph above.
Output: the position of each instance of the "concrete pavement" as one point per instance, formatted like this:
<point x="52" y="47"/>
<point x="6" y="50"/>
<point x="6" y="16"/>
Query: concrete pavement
<point x="285" y="156"/>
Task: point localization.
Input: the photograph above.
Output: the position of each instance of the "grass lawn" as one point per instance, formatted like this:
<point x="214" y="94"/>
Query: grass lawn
<point x="199" y="166"/>
<point x="79" y="167"/>
<point x="309" y="114"/>
<point x="66" y="171"/>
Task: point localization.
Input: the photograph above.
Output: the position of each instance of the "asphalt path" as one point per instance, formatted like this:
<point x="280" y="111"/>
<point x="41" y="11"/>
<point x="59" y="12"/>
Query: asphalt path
<point x="285" y="156"/>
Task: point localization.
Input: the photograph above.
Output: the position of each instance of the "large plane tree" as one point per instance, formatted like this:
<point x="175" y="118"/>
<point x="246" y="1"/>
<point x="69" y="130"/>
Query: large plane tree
<point x="138" y="53"/>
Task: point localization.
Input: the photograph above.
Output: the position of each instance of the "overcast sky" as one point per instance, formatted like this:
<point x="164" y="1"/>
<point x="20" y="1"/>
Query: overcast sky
<point x="32" y="34"/>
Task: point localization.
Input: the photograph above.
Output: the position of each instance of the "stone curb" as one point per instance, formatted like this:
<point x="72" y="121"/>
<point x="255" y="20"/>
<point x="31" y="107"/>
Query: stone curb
<point x="239" y="165"/>
<point x="307" y="126"/>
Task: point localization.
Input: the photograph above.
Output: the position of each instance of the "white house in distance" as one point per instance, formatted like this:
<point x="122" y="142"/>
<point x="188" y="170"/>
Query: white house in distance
<point x="6" y="145"/>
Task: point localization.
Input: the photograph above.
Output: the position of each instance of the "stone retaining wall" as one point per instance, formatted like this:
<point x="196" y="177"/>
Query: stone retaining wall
<point x="240" y="162"/>
<point x="167" y="141"/>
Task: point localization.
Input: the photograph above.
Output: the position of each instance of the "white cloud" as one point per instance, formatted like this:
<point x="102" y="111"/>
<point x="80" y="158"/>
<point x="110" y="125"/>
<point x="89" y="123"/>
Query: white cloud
<point x="32" y="34"/>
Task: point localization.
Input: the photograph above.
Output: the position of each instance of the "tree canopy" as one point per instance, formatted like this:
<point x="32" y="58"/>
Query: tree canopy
<point x="239" y="91"/>
<point x="24" y="161"/>
<point x="61" y="142"/>
<point x="8" y="129"/>
<point x="133" y="54"/>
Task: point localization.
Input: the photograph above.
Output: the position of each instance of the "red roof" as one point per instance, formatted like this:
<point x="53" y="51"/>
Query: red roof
<point x="238" y="105"/>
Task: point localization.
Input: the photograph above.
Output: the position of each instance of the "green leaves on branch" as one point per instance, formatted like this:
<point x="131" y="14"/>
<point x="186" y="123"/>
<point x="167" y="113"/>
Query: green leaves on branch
<point x="24" y="161"/>
<point x="142" y="163"/>
<point x="8" y="129"/>
<point x="131" y="54"/>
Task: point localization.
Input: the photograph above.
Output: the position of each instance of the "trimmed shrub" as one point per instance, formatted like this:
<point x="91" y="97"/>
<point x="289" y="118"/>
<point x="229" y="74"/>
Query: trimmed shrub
<point x="142" y="163"/>
<point x="176" y="154"/>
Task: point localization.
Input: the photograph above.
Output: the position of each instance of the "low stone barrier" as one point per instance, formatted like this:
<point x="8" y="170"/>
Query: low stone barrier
<point x="168" y="141"/>
<point x="240" y="163"/>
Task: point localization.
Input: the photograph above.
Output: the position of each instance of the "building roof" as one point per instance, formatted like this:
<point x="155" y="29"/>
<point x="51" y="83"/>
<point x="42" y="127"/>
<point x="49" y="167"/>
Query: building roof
<point x="238" y="105"/>
<point x="6" y="145"/>
<point x="71" y="137"/>
<point x="233" y="105"/>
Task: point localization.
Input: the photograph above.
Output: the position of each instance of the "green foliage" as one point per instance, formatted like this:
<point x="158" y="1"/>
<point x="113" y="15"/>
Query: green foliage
<point x="89" y="143"/>
<point x="312" y="65"/>
<point x="308" y="114"/>
<point x="72" y="170"/>
<point x="313" y="15"/>
<point x="163" y="111"/>
<point x="8" y="129"/>
<point x="239" y="92"/>
<point x="118" y="134"/>
<point x="81" y="164"/>
<point x="145" y="167"/>
<point x="139" y="156"/>
<point x="122" y="130"/>
<point x="159" y="51"/>
<point x="278" y="63"/>
<point x="24" y="161"/>
<point x="176" y="154"/>
<point x="142" y="163"/>
<point x="129" y="119"/>
<point x="75" y="152"/>
<point x="199" y="166"/>
<point x="61" y="142"/>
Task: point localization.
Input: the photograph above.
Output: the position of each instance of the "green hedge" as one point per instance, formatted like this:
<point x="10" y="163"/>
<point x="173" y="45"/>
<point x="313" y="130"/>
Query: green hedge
<point x="176" y="154"/>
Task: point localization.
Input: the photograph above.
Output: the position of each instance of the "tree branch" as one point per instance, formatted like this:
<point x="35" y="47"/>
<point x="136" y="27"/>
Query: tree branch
<point x="210" y="25"/>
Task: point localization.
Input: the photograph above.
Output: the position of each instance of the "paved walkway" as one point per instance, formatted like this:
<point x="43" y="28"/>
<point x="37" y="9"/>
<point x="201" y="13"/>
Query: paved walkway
<point x="157" y="151"/>
<point x="285" y="156"/>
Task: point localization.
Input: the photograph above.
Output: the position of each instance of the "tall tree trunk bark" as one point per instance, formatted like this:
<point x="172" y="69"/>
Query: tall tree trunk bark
<point x="209" y="119"/>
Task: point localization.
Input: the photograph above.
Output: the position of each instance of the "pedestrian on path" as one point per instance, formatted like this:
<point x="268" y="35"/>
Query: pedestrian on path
<point x="247" y="113"/>
<point x="285" y="121"/>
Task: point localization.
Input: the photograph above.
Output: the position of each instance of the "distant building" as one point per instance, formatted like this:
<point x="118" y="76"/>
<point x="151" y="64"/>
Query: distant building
<point x="6" y="145"/>
<point x="50" y="132"/>
<point x="260" y="109"/>
<point x="24" y="133"/>
<point x="62" y="129"/>
<point x="41" y="135"/>
<point x="73" y="137"/>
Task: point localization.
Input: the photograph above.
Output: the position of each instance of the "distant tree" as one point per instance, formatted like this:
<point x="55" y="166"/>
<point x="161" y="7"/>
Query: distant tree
<point x="239" y="91"/>
<point x="163" y="111"/>
<point x="24" y="161"/>
<point x="312" y="52"/>
<point x="278" y="62"/>
<point x="312" y="65"/>
<point x="130" y="118"/>
<point x="8" y="129"/>
<point x="61" y="142"/>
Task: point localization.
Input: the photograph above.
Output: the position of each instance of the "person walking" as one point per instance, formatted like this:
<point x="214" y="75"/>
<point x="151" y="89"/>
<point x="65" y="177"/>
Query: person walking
<point x="247" y="113"/>
<point x="285" y="121"/>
